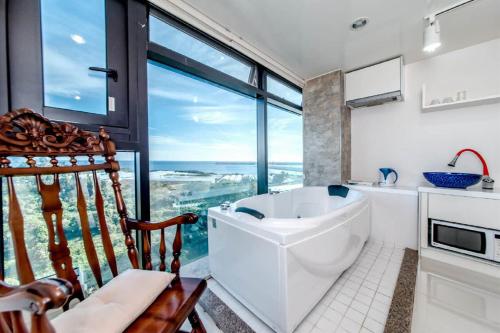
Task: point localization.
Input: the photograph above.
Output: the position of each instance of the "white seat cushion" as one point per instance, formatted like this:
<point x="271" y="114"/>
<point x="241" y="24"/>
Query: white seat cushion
<point x="116" y="305"/>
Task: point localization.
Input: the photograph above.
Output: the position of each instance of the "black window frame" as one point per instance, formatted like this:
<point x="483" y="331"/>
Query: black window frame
<point x="26" y="64"/>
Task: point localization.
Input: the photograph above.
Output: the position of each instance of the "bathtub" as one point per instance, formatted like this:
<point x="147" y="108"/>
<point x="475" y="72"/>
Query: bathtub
<point x="281" y="266"/>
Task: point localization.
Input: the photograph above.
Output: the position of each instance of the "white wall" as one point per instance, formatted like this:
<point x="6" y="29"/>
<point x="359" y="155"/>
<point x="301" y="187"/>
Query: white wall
<point x="400" y="135"/>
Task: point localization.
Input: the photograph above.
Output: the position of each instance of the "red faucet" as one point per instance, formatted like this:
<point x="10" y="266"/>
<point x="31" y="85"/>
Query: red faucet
<point x="487" y="181"/>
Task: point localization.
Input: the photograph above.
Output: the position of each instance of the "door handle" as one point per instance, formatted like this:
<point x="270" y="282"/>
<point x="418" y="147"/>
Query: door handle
<point x="112" y="73"/>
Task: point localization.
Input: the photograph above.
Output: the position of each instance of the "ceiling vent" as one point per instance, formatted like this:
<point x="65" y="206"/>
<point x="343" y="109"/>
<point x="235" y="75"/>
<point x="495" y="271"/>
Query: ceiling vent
<point x="375" y="84"/>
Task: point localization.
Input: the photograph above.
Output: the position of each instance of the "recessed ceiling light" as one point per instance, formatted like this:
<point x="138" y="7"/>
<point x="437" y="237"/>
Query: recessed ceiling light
<point x="77" y="39"/>
<point x="359" y="23"/>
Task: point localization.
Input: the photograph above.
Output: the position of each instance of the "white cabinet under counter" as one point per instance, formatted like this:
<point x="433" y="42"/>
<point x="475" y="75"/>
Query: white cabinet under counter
<point x="394" y="212"/>
<point x="461" y="228"/>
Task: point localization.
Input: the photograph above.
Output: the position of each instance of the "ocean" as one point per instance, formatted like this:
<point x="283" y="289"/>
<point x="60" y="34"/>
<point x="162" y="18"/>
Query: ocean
<point x="220" y="168"/>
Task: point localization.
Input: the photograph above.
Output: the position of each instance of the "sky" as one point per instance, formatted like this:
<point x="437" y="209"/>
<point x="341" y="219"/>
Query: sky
<point x="73" y="39"/>
<point x="189" y="119"/>
<point x="193" y="120"/>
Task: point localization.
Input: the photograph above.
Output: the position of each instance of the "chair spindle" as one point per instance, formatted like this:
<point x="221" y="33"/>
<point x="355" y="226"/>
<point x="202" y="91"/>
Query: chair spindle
<point x="122" y="212"/>
<point x="88" y="242"/>
<point x="176" y="252"/>
<point x="146" y="247"/>
<point x="163" y="250"/>
<point x="16" y="225"/>
<point x="106" y="239"/>
<point x="5" y="323"/>
<point x="17" y="322"/>
<point x="59" y="252"/>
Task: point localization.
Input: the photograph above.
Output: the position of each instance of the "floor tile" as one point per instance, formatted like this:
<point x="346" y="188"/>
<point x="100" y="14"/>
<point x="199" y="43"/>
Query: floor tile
<point x="373" y="325"/>
<point x="350" y="325"/>
<point x="333" y="316"/>
<point x="355" y="315"/>
<point x="381" y="307"/>
<point x="343" y="298"/>
<point x="360" y="307"/>
<point x="339" y="306"/>
<point x="367" y="291"/>
<point x="370" y="285"/>
<point x="348" y="291"/>
<point x="367" y="300"/>
<point x="326" y="325"/>
<point x="383" y="298"/>
<point x="377" y="315"/>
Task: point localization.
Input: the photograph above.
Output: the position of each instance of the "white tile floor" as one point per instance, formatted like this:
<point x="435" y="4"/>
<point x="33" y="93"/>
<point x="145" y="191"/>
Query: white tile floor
<point x="359" y="300"/>
<point x="444" y="305"/>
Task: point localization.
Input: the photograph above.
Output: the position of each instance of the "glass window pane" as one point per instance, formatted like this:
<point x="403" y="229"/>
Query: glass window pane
<point x="203" y="150"/>
<point x="74" y="39"/>
<point x="278" y="88"/>
<point x="284" y="142"/>
<point x="36" y="236"/>
<point x="171" y="37"/>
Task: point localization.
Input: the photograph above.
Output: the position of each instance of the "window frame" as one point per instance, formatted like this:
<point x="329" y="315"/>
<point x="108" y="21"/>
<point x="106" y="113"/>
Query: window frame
<point x="287" y="84"/>
<point x="4" y="107"/>
<point x="164" y="55"/>
<point x="26" y="61"/>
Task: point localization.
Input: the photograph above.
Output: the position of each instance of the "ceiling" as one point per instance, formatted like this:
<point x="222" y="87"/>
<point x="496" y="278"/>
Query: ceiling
<point x="313" y="37"/>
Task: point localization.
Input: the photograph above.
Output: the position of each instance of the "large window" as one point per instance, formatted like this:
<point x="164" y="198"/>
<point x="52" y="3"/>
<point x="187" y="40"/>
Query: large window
<point x="202" y="148"/>
<point x="36" y="230"/>
<point x="284" y="149"/>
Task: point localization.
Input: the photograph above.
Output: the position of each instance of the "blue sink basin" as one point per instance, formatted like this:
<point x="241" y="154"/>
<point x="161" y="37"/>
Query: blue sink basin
<point x="452" y="179"/>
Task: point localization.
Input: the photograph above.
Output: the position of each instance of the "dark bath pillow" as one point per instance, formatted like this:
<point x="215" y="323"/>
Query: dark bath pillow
<point x="250" y="211"/>
<point x="338" y="190"/>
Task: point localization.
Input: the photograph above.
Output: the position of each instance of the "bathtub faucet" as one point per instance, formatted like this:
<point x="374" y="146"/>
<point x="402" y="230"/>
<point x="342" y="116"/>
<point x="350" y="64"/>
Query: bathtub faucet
<point x="488" y="182"/>
<point x="271" y="192"/>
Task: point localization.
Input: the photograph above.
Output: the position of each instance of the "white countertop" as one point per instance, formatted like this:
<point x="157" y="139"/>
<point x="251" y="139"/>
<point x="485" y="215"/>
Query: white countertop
<point x="407" y="190"/>
<point x="474" y="191"/>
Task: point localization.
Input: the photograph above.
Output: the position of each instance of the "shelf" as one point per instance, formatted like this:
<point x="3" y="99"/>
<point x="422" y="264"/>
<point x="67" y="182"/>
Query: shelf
<point x="459" y="104"/>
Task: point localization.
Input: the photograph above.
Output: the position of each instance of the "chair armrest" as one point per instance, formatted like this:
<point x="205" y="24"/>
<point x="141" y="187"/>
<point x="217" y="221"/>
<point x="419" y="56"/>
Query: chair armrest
<point x="188" y="218"/>
<point x="36" y="297"/>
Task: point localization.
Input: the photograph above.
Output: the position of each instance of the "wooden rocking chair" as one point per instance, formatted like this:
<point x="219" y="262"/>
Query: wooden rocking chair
<point x="24" y="133"/>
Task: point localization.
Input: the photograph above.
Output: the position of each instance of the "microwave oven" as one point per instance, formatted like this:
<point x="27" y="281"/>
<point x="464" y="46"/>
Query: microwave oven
<point x="470" y="240"/>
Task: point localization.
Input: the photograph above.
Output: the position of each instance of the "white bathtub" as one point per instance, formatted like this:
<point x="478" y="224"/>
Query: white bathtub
<point x="281" y="266"/>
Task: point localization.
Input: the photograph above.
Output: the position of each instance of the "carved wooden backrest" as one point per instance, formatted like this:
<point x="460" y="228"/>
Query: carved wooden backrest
<point x="24" y="133"/>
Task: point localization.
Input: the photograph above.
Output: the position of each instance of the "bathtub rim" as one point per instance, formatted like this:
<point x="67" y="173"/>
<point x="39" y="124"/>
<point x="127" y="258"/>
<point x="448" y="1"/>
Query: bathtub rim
<point x="285" y="235"/>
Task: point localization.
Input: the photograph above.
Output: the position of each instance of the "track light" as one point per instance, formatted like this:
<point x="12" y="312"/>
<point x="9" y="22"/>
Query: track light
<point x="432" y="37"/>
